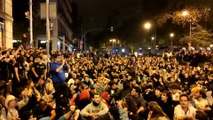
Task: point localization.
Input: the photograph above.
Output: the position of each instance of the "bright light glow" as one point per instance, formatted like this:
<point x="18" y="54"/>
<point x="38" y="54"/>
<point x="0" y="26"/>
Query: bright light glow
<point x="59" y="42"/>
<point x="59" y="45"/>
<point x="112" y="40"/>
<point x="184" y="48"/>
<point x="211" y="45"/>
<point x="185" y="13"/>
<point x="15" y="41"/>
<point x="136" y="54"/>
<point x="172" y="34"/>
<point x="208" y="48"/>
<point x="192" y="48"/>
<point x="140" y="54"/>
<point x="147" y="25"/>
<point x="118" y="41"/>
<point x="149" y="48"/>
<point x="201" y="48"/>
<point x="153" y="38"/>
<point x="42" y="41"/>
<point x="123" y="50"/>
<point x="140" y="48"/>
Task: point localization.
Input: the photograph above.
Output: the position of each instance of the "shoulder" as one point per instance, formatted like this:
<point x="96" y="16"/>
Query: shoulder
<point x="103" y="106"/>
<point x="89" y="106"/>
<point x="177" y="107"/>
<point x="192" y="108"/>
<point x="163" y="118"/>
<point x="54" y="64"/>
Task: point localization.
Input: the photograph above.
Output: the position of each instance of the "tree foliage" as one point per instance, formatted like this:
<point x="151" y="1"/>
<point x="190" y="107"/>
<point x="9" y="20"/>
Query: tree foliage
<point x="200" y="37"/>
<point x="198" y="17"/>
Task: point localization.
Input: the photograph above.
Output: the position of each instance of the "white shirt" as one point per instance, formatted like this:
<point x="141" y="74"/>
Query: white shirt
<point x="180" y="113"/>
<point x="201" y="103"/>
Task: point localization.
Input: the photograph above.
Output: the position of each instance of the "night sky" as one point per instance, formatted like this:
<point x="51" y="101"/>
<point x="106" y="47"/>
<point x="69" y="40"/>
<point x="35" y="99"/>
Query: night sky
<point x="94" y="13"/>
<point x="19" y="8"/>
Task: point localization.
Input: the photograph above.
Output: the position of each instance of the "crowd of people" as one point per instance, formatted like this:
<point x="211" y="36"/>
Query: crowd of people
<point x="88" y="86"/>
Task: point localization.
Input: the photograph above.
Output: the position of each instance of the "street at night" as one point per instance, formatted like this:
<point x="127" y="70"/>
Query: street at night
<point x="106" y="60"/>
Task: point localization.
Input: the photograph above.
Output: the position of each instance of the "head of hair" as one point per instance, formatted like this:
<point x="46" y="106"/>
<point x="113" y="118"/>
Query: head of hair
<point x="160" y="89"/>
<point x="20" y="59"/>
<point x="184" y="95"/>
<point x="95" y="93"/>
<point x="151" y="105"/>
<point x="115" y="113"/>
<point x="54" y="56"/>
<point x="157" y="112"/>
<point x="201" y="115"/>
<point x="137" y="89"/>
<point x="167" y="94"/>
<point x="131" y="105"/>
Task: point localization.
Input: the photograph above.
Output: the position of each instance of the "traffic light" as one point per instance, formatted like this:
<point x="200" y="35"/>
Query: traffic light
<point x="27" y="14"/>
<point x="24" y="37"/>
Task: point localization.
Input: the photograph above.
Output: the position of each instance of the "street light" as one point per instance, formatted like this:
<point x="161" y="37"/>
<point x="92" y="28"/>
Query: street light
<point x="153" y="38"/>
<point x="186" y="13"/>
<point x="113" y="41"/>
<point x="171" y="42"/>
<point x="147" y="25"/>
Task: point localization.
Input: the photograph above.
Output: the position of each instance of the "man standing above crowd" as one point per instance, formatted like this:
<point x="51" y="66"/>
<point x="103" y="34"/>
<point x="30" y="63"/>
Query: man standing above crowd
<point x="6" y="69"/>
<point x="39" y="70"/>
<point x="57" y="70"/>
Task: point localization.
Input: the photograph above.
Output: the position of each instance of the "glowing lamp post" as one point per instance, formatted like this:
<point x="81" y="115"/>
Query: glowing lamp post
<point x="185" y="14"/>
<point x="171" y="41"/>
<point x="147" y="26"/>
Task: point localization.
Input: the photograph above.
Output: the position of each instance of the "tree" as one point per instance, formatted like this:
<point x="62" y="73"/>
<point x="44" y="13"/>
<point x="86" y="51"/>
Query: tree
<point x="197" y="17"/>
<point x="200" y="37"/>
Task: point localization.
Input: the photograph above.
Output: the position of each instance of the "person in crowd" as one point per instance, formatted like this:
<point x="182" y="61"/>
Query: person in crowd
<point x="38" y="70"/>
<point x="57" y="70"/>
<point x="83" y="95"/>
<point x="43" y="110"/>
<point x="28" y="115"/>
<point x="201" y="115"/>
<point x="158" y="93"/>
<point x="136" y="103"/>
<point x="2" y="112"/>
<point x="126" y="79"/>
<point x="175" y="91"/>
<point x="12" y="106"/>
<point x="167" y="104"/>
<point x="123" y="110"/>
<point x="105" y="98"/>
<point x="96" y="109"/>
<point x="20" y="73"/>
<point x="184" y="109"/>
<point x="6" y="69"/>
<point x="33" y="97"/>
<point x="157" y="114"/>
<point x="72" y="114"/>
<point x="199" y="101"/>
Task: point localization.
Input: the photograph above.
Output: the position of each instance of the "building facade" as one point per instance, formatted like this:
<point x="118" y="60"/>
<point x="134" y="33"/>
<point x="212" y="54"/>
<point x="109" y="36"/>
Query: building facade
<point x="6" y="24"/>
<point x="61" y="32"/>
